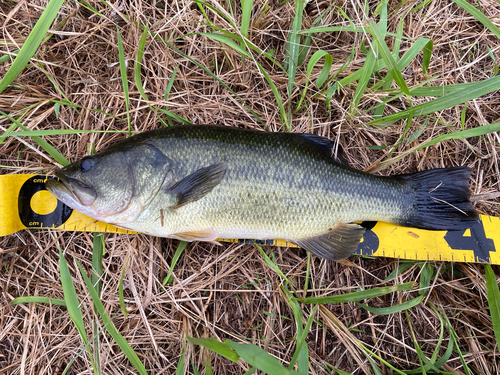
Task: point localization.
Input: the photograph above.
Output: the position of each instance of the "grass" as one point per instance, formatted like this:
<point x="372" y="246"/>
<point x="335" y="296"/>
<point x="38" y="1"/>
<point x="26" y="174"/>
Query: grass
<point x="401" y="86"/>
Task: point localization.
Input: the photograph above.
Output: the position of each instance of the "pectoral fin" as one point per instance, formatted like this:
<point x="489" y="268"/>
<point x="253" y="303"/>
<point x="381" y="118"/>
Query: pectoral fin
<point x="339" y="243"/>
<point x="197" y="184"/>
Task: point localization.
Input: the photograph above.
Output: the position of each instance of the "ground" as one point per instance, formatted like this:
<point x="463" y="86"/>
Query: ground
<point x="183" y="73"/>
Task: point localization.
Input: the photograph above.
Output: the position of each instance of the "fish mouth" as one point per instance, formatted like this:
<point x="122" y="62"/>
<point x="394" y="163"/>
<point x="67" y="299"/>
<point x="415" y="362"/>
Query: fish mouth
<point x="71" y="191"/>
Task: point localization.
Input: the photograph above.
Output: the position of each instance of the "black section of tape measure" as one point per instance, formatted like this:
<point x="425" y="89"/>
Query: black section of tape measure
<point x="370" y="242"/>
<point x="32" y="219"/>
<point x="477" y="242"/>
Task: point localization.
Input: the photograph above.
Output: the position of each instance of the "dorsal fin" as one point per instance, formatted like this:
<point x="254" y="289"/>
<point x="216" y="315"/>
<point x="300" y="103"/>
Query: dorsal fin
<point x="326" y="145"/>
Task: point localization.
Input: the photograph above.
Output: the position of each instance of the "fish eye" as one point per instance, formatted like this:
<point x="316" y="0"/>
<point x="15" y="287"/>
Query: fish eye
<point x="86" y="165"/>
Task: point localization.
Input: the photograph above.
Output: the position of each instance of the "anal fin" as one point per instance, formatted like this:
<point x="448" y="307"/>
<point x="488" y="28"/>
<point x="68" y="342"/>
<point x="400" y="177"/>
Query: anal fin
<point x="200" y="235"/>
<point x="339" y="243"/>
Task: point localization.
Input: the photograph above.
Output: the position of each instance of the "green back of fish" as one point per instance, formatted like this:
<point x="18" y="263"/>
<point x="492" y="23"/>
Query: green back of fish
<point x="275" y="185"/>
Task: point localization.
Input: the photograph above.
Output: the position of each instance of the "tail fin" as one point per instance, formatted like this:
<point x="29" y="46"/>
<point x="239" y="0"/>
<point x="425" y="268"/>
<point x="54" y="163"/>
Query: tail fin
<point x="439" y="199"/>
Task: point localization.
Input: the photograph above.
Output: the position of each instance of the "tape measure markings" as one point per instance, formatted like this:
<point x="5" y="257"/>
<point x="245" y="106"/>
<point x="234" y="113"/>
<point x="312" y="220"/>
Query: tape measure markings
<point x="22" y="206"/>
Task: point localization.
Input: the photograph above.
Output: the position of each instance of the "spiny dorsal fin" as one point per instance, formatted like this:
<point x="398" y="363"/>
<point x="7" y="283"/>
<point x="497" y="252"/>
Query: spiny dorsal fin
<point x="326" y="145"/>
<point x="197" y="184"/>
<point x="339" y="243"/>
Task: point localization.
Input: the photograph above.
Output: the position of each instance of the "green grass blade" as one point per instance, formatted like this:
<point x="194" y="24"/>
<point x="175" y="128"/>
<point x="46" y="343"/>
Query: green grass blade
<point x="97" y="254"/>
<point x="456" y="340"/>
<point x="43" y="143"/>
<point x="382" y="11"/>
<point x="120" y="293"/>
<point x="437" y="350"/>
<point x="388" y="58"/>
<point x="420" y="354"/>
<point x="223" y="349"/>
<point x="45" y="133"/>
<point x="229" y="18"/>
<point x="426" y="57"/>
<point x="195" y="370"/>
<point x="359" y="296"/>
<point x="421" y="5"/>
<point x="72" y="303"/>
<point x="56" y="86"/>
<point x="174" y="116"/>
<point x="301" y="354"/>
<point x="405" y="60"/>
<point x="329" y="29"/>
<point x="32" y="42"/>
<point x="92" y="9"/>
<point x="479" y="16"/>
<point x="375" y="369"/>
<point x="394" y="309"/>
<point x="86" y="108"/>
<point x="119" y="339"/>
<point x="399" y="38"/>
<point x="97" y="271"/>
<point x="71" y="298"/>
<point x="293" y="45"/>
<point x="277" y="96"/>
<point x="402" y="267"/>
<point x="302" y="345"/>
<point x="440" y="90"/>
<point x="138" y="81"/>
<point x="38" y="299"/>
<point x="180" y="249"/>
<point x="490" y="53"/>
<point x="228" y="41"/>
<point x="475" y="132"/>
<point x="324" y="71"/>
<point x="259" y="358"/>
<point x="305" y="45"/>
<point x="57" y="107"/>
<point x="202" y="10"/>
<point x="364" y="78"/>
<point x="246" y="12"/>
<point x="123" y="74"/>
<point x="208" y="368"/>
<point x="5" y="58"/>
<point x="180" y="365"/>
<point x="228" y="2"/>
<point x="251" y="371"/>
<point x="308" y="273"/>
<point x="244" y="42"/>
<point x="426" y="276"/>
<point x="447" y="101"/>
<point x="379" y="108"/>
<point x="275" y="268"/>
<point x="138" y="63"/>
<point x="338" y="371"/>
<point x="170" y="84"/>
<point x="493" y="300"/>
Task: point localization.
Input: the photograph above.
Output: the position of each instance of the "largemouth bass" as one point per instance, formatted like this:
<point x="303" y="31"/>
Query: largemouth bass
<point x="205" y="182"/>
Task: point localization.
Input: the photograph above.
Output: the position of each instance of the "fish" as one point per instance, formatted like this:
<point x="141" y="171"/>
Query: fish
<point x="204" y="182"/>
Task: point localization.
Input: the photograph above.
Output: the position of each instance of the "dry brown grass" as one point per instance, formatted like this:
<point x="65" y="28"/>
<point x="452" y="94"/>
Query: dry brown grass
<point x="228" y="291"/>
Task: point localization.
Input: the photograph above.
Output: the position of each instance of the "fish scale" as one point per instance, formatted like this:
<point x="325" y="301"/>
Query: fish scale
<point x="206" y="182"/>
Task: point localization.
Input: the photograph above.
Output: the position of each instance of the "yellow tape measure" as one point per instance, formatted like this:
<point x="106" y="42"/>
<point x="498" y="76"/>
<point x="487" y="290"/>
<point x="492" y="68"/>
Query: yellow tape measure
<point x="25" y="203"/>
